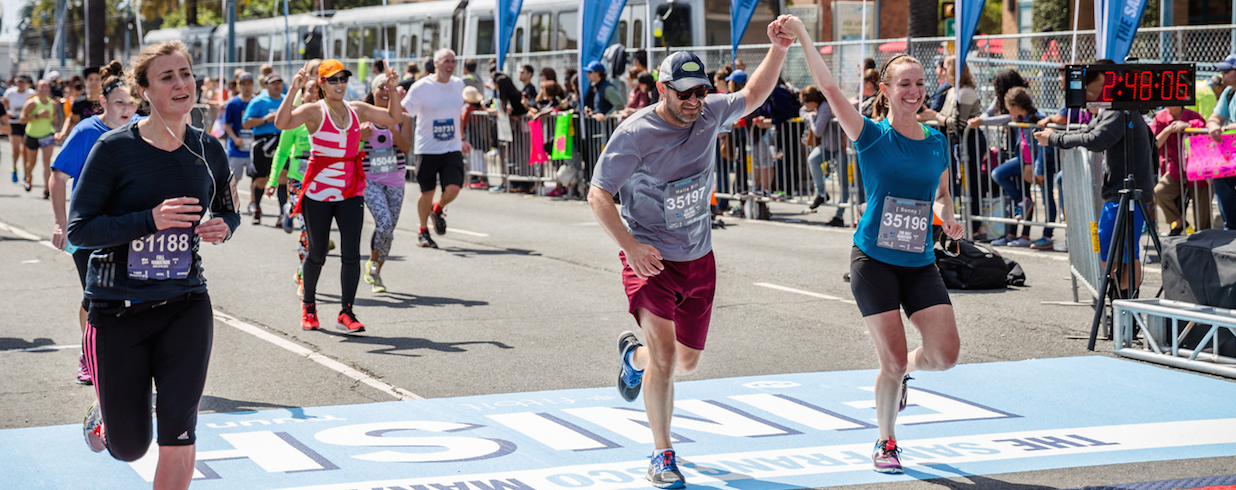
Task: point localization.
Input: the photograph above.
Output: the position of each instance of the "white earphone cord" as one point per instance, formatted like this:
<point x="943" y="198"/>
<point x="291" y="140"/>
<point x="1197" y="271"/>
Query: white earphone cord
<point x="201" y="156"/>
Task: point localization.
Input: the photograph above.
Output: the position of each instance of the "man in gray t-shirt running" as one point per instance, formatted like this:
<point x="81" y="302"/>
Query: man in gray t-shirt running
<point x="661" y="162"/>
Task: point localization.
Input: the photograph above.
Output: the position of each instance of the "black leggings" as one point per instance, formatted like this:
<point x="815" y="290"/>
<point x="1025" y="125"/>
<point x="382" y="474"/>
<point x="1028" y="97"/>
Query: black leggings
<point x="124" y="350"/>
<point x="349" y="215"/>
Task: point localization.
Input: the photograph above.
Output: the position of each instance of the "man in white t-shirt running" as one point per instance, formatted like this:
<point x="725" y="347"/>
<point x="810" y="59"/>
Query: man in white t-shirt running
<point x="661" y="161"/>
<point x="14" y="99"/>
<point x="437" y="104"/>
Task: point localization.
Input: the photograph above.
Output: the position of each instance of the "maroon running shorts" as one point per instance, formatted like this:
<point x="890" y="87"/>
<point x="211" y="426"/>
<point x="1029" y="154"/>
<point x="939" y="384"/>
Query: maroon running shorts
<point x="682" y="293"/>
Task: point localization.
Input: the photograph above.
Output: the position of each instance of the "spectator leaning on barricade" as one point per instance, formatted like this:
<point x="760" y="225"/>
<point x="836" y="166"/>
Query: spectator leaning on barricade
<point x="529" y="90"/>
<point x="1208" y="90"/>
<point x="551" y="96"/>
<point x="469" y="76"/>
<point x="871" y="83"/>
<point x="602" y="97"/>
<point x="411" y="71"/>
<point x="1220" y="121"/>
<point x="816" y="113"/>
<point x="937" y="100"/>
<point x="1173" y="191"/>
<point x="1028" y="160"/>
<point x="962" y="104"/>
<point x="510" y="99"/>
<point x="639" y="98"/>
<point x="1106" y="132"/>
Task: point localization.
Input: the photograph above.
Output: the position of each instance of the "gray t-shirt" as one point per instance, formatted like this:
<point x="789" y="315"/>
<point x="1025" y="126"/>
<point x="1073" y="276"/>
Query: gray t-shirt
<point x="645" y="154"/>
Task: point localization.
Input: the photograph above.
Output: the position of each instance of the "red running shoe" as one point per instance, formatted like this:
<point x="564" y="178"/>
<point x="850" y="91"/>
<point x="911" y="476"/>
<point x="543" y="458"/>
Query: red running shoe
<point x="309" y="316"/>
<point x="348" y="322"/>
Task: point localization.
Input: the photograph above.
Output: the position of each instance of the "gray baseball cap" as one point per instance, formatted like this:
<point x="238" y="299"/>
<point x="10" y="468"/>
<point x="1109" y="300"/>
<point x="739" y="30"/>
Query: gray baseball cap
<point x="683" y="71"/>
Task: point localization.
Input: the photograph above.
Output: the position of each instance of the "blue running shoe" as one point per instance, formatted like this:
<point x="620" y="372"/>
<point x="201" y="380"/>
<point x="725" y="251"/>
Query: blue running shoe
<point x="885" y="458"/>
<point x="629" y="379"/>
<point x="663" y="471"/>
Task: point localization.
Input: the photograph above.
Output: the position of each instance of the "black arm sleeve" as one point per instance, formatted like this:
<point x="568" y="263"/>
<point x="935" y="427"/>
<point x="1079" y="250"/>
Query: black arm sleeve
<point x="89" y="226"/>
<point x="224" y="203"/>
<point x="1103" y="133"/>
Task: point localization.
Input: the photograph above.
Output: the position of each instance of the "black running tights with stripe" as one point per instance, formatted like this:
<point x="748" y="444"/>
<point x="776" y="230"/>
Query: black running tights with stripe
<point x="169" y="344"/>
<point x="348" y="215"/>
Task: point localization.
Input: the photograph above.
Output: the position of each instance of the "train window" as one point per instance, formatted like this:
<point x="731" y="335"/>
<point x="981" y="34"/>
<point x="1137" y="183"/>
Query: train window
<point x="263" y="49"/>
<point x="620" y="34"/>
<point x="568" y="31"/>
<point x="250" y="49"/>
<point x="370" y="42"/>
<point x="519" y="39"/>
<point x="430" y="40"/>
<point x="485" y="37"/>
<point x="539" y="37"/>
<point x="676" y="26"/>
<point x="388" y="43"/>
<point x="339" y="49"/>
<point x="403" y="47"/>
<point x="196" y="53"/>
<point x="412" y="46"/>
<point x="637" y="42"/>
<point x="354" y="43"/>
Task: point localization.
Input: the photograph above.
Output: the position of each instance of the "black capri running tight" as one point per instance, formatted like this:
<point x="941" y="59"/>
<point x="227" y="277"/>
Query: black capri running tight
<point x="124" y="350"/>
<point x="349" y="215"/>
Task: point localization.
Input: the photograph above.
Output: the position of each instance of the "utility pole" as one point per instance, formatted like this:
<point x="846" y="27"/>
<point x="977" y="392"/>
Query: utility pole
<point x="96" y="30"/>
<point x="231" y="31"/>
<point x="62" y="36"/>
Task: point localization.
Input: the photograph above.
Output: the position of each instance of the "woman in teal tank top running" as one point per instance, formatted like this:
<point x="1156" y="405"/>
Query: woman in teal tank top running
<point x="37" y="116"/>
<point x="904" y="167"/>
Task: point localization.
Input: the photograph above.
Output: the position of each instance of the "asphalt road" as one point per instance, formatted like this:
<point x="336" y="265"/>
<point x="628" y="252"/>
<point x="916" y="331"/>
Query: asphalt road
<point x="523" y="295"/>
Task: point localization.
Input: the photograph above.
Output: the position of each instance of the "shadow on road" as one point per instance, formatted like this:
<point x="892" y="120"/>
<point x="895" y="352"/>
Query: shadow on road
<point x="975" y="481"/>
<point x="10" y="343"/>
<point x="226" y="405"/>
<point x="472" y="252"/>
<point x="395" y="344"/>
<point x="404" y="300"/>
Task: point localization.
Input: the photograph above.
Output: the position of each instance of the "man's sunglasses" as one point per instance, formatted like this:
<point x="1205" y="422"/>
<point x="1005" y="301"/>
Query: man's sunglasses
<point x="699" y="93"/>
<point x="335" y="80"/>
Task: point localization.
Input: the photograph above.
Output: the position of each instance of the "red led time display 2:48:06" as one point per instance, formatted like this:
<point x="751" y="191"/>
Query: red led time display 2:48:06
<point x="1146" y="85"/>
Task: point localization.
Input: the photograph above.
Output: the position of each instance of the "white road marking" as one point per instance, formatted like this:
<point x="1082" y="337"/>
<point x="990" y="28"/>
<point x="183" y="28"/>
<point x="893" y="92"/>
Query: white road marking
<point x="804" y="293"/>
<point x="332" y="364"/>
<point x="449" y="230"/>
<point x="45" y="348"/>
<point x="260" y="333"/>
<point x="28" y="236"/>
<point x="466" y="232"/>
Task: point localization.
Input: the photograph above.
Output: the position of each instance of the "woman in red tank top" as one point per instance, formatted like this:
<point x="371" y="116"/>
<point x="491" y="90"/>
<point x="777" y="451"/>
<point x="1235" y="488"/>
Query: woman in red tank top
<point x="334" y="184"/>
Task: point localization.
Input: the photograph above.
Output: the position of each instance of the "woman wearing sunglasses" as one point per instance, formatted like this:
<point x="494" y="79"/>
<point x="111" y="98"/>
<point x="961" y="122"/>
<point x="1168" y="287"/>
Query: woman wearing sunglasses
<point x="334" y="183"/>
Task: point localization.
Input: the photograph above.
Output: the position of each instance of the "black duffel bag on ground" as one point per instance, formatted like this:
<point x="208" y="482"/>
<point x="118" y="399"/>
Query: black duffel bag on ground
<point x="969" y="265"/>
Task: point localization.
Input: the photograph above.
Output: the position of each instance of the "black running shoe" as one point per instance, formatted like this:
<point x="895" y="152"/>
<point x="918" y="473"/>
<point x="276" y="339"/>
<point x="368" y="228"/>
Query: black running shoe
<point x="835" y="222"/>
<point x="904" y="391"/>
<point x="424" y="241"/>
<point x="257" y="215"/>
<point x="629" y="380"/>
<point x="439" y="222"/>
<point x="817" y="202"/>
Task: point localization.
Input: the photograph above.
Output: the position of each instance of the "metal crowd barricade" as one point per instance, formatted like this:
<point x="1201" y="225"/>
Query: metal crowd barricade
<point x="1081" y="174"/>
<point x="758" y="165"/>
<point x="1164" y="324"/>
<point x="510" y="161"/>
<point x="986" y="203"/>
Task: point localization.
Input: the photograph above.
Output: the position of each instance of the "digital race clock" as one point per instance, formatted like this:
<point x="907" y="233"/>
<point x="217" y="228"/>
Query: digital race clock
<point x="1133" y="86"/>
